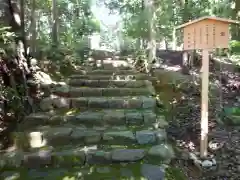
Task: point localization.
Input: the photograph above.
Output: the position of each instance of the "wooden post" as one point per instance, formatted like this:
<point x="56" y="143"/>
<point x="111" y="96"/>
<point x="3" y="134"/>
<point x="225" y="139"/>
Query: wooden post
<point x="204" y="110"/>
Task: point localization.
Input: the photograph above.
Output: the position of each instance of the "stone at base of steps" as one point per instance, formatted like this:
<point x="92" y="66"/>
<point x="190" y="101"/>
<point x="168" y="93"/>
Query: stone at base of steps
<point x="72" y="156"/>
<point x="134" y="171"/>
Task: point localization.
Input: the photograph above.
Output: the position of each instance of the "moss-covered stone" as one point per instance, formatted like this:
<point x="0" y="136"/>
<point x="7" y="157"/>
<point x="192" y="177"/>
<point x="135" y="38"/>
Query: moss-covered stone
<point x="162" y="152"/>
<point x="68" y="158"/>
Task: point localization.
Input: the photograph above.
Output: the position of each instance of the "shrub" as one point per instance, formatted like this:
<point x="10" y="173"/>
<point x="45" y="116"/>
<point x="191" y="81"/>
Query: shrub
<point x="235" y="47"/>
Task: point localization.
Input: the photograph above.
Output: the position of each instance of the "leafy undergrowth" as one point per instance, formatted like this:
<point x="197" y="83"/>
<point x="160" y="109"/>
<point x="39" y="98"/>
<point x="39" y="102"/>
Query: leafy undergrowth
<point x="167" y="90"/>
<point x="182" y="96"/>
<point x="169" y="94"/>
<point x="58" y="70"/>
<point x="173" y="173"/>
<point x="45" y="72"/>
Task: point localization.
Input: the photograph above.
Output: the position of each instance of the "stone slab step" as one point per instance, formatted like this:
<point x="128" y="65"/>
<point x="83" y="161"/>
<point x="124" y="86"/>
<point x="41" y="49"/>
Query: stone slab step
<point x="80" y="157"/>
<point x="106" y="67"/>
<point x="106" y="72"/>
<point x="108" y="92"/>
<point x="125" y="102"/>
<point x="139" y="76"/>
<point x="137" y="102"/>
<point x="108" y="83"/>
<point x="93" y="118"/>
<point x="81" y="136"/>
<point x="67" y="91"/>
<point x="113" y="63"/>
<point x="101" y="172"/>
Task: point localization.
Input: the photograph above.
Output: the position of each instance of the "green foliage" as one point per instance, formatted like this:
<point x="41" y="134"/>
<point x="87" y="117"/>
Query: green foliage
<point x="127" y="47"/>
<point x="140" y="55"/>
<point x="6" y="40"/>
<point x="75" y="21"/>
<point x="14" y="100"/>
<point x="174" y="174"/>
<point x="6" y="35"/>
<point x="11" y="95"/>
<point x="168" y="13"/>
<point x="136" y="26"/>
<point x="235" y="47"/>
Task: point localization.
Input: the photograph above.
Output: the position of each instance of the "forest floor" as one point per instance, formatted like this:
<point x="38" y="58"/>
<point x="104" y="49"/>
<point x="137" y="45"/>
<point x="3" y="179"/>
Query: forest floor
<point x="184" y="118"/>
<point x="184" y="91"/>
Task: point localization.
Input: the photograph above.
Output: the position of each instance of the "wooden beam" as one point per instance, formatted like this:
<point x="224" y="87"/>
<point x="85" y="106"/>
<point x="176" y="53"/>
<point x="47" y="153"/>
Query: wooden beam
<point x="204" y="108"/>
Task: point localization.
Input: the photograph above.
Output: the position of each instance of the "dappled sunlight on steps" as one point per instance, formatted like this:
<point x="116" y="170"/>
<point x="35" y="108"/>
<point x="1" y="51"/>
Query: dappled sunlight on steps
<point x="103" y="124"/>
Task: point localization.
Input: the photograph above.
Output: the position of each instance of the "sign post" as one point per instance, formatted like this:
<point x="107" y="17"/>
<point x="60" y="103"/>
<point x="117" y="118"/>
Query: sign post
<point x="204" y="105"/>
<point x="206" y="34"/>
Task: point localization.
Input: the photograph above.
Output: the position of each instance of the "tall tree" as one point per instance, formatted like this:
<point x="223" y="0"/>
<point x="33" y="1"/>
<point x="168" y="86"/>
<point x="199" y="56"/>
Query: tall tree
<point x="150" y="11"/>
<point x="236" y="16"/>
<point x="33" y="26"/>
<point x="55" y="23"/>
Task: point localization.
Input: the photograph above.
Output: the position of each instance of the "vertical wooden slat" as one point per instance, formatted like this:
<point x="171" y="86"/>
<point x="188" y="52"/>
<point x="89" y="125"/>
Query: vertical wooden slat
<point x="195" y="38"/>
<point x="204" y="109"/>
<point x="214" y="36"/>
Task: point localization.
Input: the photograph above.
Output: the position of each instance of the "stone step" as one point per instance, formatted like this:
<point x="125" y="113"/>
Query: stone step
<point x="125" y="102"/>
<point x="113" y="63"/>
<point x="106" y="72"/>
<point x="71" y="135"/>
<point x="108" y="83"/>
<point x="98" y="92"/>
<point x="102" y="172"/>
<point x="93" y="118"/>
<point x="107" y="67"/>
<point x="104" y="67"/>
<point x="74" y="156"/>
<point x="139" y="76"/>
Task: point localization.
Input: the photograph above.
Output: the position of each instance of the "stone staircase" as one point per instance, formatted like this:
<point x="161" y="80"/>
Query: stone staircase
<point x="102" y="125"/>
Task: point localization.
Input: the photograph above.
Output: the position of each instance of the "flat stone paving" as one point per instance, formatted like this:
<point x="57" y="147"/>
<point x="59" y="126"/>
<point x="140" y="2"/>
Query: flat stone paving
<point x="96" y="127"/>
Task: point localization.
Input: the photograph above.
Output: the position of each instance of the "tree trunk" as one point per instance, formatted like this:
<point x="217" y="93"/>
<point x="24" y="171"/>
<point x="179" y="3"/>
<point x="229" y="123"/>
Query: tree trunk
<point x="22" y="28"/>
<point x="77" y="9"/>
<point x="186" y="15"/>
<point x="13" y="66"/>
<point x="149" y="4"/>
<point x="236" y="16"/>
<point x="15" y="18"/>
<point x="55" y="23"/>
<point x="33" y="30"/>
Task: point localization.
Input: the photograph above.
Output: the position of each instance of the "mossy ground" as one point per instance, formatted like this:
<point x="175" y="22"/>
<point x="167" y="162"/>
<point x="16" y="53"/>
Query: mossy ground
<point x="115" y="171"/>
